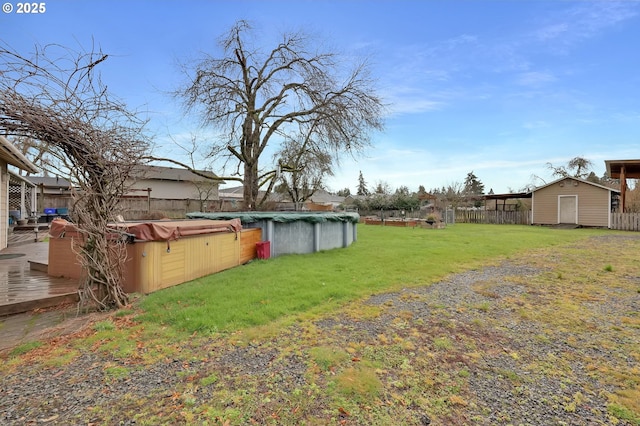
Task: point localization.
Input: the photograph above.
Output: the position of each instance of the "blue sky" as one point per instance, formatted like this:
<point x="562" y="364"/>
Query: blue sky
<point x="499" y="88"/>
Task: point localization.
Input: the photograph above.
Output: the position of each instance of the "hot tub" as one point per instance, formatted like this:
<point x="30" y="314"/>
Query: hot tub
<point x="162" y="253"/>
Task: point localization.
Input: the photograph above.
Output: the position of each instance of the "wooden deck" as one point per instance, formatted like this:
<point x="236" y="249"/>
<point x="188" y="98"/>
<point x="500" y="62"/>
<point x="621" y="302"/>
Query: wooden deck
<point x="24" y="283"/>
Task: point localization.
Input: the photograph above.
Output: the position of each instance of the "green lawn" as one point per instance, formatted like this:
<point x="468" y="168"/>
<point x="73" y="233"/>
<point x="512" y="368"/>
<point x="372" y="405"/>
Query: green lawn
<point x="382" y="259"/>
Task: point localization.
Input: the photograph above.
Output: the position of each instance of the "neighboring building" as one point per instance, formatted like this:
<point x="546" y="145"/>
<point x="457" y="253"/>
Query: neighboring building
<point x="231" y="199"/>
<point x="172" y="191"/>
<point x="323" y="200"/>
<point x="573" y="201"/>
<point x="170" y="183"/>
<point x="507" y="202"/>
<point x="51" y="192"/>
<point x="9" y="155"/>
<point x="51" y="185"/>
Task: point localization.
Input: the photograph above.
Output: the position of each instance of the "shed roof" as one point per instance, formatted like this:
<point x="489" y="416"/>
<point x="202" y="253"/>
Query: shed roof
<point x="578" y="180"/>
<point x="614" y="168"/>
<point x="13" y="156"/>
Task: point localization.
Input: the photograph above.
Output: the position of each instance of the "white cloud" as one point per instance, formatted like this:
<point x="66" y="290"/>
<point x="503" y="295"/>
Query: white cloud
<point x="586" y="20"/>
<point x="540" y="124"/>
<point x="412" y="105"/>
<point x="535" y="78"/>
<point x="551" y="32"/>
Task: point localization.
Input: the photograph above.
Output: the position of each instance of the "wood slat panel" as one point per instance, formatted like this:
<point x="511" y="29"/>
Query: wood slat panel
<point x="23" y="289"/>
<point x="248" y="240"/>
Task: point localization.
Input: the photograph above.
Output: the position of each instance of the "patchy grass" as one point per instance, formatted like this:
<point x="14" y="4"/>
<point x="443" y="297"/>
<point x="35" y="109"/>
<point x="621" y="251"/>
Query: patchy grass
<point x="442" y="343"/>
<point x="327" y="358"/>
<point x="107" y="325"/>
<point x="360" y="383"/>
<point x="115" y="372"/>
<point x="623" y="413"/>
<point x="24" y="348"/>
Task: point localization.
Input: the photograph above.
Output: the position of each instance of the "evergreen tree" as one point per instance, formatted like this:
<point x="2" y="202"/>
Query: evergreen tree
<point x="362" y="185"/>
<point x="473" y="185"/>
<point x="592" y="177"/>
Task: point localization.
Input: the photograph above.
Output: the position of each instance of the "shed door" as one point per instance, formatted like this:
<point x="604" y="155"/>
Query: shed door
<point x="568" y="209"/>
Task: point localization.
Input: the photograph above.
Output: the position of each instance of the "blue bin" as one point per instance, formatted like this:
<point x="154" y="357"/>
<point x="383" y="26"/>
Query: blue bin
<point x="62" y="211"/>
<point x="49" y="211"/>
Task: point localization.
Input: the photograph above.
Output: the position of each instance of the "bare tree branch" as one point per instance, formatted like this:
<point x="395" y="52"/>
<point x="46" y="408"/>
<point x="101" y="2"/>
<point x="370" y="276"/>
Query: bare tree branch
<point x="57" y="98"/>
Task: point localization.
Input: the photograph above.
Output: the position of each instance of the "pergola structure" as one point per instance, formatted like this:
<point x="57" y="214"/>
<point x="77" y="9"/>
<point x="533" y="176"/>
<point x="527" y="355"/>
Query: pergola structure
<point x="505" y="197"/>
<point x="623" y="170"/>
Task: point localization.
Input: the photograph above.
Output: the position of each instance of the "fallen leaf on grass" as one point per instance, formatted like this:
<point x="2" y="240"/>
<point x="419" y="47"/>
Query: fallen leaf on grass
<point x="344" y="412"/>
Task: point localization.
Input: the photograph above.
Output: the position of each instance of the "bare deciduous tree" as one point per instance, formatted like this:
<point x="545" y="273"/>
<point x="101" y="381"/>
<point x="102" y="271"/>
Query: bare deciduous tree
<point x="578" y="167"/>
<point x="56" y="97"/>
<point x="453" y="194"/>
<point x="255" y="96"/>
<point x="306" y="164"/>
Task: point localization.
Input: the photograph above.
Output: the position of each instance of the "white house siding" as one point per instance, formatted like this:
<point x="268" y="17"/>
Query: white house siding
<point x="593" y="203"/>
<point x="175" y="190"/>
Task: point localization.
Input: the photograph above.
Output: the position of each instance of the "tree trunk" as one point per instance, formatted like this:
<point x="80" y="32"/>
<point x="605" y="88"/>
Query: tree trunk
<point x="250" y="193"/>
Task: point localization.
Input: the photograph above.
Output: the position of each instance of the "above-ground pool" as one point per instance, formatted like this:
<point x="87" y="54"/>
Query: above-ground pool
<point x="296" y="232"/>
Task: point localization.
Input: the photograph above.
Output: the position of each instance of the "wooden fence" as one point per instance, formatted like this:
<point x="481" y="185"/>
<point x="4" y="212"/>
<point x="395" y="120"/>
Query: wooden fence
<point x="137" y="208"/>
<point x="498" y="217"/>
<point x="134" y="208"/>
<point x="625" y="221"/>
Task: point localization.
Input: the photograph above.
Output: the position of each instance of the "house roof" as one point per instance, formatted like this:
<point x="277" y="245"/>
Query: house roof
<point x="50" y="182"/>
<point x="578" y="180"/>
<point x="13" y="156"/>
<point x="141" y="172"/>
<point x="614" y="168"/>
<point x="353" y="197"/>
<point x="234" y="193"/>
<point x="322" y="196"/>
<point x="239" y="190"/>
<point x="173" y="174"/>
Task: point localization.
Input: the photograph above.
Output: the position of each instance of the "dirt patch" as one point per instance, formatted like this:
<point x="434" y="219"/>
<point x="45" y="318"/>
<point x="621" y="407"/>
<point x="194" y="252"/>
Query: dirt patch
<point x="44" y="325"/>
